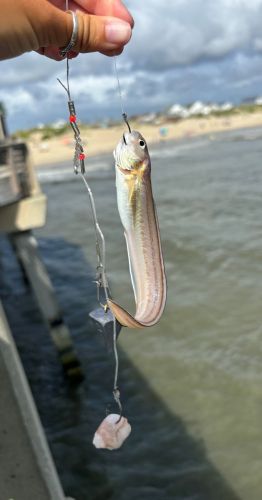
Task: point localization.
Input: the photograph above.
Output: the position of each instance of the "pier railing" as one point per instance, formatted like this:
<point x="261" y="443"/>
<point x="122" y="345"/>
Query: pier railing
<point x="17" y="179"/>
<point x="23" y="209"/>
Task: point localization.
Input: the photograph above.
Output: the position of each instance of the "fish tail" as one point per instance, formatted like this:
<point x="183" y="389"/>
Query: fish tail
<point x="123" y="317"/>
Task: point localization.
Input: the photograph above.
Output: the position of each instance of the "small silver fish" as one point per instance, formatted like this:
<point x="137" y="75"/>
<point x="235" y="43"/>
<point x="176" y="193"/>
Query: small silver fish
<point x="138" y="216"/>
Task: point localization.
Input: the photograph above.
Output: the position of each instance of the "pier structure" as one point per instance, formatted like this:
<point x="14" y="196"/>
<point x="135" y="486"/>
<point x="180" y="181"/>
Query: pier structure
<point x="27" y="469"/>
<point x="26" y="464"/>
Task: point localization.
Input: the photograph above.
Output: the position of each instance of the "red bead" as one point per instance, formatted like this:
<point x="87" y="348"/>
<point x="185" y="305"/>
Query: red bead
<point x="81" y="156"/>
<point x="72" y="118"/>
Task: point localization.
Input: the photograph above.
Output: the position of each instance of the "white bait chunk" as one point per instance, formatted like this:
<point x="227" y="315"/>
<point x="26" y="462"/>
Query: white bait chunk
<point x="112" y="432"/>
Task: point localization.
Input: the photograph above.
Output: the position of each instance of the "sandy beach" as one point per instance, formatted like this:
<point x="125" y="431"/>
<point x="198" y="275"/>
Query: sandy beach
<point x="104" y="140"/>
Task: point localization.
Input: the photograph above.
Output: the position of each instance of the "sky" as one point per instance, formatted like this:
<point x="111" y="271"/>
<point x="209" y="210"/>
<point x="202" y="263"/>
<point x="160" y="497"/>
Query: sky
<point x="181" y="51"/>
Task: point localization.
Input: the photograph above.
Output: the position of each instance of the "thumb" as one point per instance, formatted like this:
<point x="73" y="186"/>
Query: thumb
<point x="101" y="33"/>
<point x="95" y="33"/>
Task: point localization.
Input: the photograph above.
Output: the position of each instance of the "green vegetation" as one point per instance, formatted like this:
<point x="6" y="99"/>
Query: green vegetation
<point x="249" y="108"/>
<point x="226" y="113"/>
<point x="47" y="132"/>
<point x="243" y="108"/>
<point x="23" y="134"/>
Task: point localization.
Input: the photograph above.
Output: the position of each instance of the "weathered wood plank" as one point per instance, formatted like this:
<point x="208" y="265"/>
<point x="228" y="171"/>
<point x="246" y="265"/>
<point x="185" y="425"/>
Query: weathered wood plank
<point x="27" y="468"/>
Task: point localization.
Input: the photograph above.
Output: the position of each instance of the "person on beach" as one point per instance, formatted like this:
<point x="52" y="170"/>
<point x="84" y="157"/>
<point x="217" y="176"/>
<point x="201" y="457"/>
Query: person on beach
<point x="44" y="26"/>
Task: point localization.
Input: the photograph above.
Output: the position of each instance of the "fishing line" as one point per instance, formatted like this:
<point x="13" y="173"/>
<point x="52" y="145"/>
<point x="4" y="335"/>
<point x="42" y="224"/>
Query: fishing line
<point x="121" y="97"/>
<point x="101" y="278"/>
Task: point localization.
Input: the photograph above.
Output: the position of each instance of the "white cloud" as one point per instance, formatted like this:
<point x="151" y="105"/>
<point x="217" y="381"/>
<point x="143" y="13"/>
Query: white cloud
<point x="29" y="68"/>
<point x="186" y="31"/>
<point x="180" y="51"/>
<point x="20" y="100"/>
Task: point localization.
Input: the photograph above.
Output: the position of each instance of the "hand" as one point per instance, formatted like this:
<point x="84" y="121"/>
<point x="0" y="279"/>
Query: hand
<point x="42" y="25"/>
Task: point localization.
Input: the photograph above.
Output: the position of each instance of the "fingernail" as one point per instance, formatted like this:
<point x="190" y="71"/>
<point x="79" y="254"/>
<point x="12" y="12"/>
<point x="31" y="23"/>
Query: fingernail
<point x="117" y="32"/>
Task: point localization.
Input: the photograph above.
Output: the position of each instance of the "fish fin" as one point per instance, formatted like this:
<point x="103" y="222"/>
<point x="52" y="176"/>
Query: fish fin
<point x="123" y="317"/>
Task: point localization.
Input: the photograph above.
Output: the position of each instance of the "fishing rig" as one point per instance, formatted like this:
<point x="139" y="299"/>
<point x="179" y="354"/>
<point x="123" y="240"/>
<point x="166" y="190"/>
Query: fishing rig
<point x="104" y="320"/>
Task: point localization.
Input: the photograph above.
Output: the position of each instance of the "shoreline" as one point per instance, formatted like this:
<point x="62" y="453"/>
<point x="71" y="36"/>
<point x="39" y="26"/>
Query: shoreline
<point x="103" y="141"/>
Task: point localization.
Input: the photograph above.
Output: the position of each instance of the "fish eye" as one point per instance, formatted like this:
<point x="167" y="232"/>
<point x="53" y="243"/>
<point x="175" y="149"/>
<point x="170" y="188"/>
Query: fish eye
<point x="142" y="144"/>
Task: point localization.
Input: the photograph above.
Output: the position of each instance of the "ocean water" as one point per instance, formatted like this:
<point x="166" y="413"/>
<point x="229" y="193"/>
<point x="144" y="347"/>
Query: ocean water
<point x="191" y="386"/>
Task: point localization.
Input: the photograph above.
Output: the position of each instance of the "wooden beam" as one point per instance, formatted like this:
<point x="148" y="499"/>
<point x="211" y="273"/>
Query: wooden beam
<point x="27" y="468"/>
<point x="26" y="247"/>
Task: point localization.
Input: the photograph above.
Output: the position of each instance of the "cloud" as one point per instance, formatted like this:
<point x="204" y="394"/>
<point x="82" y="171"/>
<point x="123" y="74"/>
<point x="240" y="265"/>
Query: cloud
<point x="21" y="101"/>
<point x="180" y="51"/>
<point x="29" y="68"/>
<point x="186" y="31"/>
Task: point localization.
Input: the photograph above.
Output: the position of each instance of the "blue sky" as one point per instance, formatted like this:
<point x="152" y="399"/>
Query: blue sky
<point x="181" y="50"/>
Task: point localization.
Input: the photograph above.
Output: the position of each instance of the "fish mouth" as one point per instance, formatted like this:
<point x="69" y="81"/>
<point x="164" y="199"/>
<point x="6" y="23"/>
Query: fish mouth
<point x="127" y="138"/>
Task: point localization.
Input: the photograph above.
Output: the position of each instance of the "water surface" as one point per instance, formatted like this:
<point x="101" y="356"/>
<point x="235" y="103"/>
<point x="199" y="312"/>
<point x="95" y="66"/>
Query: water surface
<point x="191" y="385"/>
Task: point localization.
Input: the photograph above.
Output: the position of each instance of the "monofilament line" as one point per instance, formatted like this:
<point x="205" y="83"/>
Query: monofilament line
<point x="67" y="59"/>
<point x="121" y="98"/>
<point x="100" y="240"/>
<point x="101" y="254"/>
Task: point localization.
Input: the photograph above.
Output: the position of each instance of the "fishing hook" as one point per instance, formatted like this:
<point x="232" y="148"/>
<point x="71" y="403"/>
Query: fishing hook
<point x="126" y="121"/>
